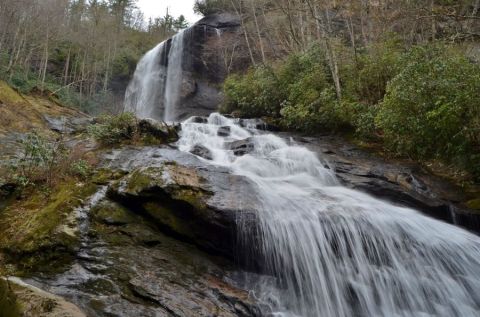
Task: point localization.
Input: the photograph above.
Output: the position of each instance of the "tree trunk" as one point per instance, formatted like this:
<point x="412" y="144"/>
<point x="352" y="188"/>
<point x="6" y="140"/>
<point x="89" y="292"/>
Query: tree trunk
<point x="260" y="41"/>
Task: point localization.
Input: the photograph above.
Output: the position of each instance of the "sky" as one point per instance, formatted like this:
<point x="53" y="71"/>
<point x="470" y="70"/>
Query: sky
<point x="157" y="8"/>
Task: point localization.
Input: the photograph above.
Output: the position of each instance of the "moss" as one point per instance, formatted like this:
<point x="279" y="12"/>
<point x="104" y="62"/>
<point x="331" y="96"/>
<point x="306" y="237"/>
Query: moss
<point x="474" y="204"/>
<point x="111" y="213"/>
<point x="8" y="303"/>
<point x="170" y="218"/>
<point x="104" y="176"/>
<point x="8" y="94"/>
<point x="21" y="113"/>
<point x="42" y="226"/>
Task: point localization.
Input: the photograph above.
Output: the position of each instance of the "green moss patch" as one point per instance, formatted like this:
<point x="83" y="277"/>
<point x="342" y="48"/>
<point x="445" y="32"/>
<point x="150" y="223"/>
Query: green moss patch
<point x="43" y="226"/>
<point x="474" y="204"/>
<point x="8" y="303"/>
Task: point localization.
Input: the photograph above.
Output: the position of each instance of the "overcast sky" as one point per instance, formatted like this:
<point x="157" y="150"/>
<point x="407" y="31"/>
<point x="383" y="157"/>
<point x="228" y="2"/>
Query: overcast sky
<point x="157" y="8"/>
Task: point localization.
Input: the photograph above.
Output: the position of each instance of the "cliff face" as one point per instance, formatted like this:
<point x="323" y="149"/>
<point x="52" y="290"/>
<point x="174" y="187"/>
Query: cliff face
<point x="206" y="62"/>
<point x="207" y="58"/>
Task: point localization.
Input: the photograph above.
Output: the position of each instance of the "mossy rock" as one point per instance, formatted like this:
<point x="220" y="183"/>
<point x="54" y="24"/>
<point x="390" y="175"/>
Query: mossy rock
<point x="104" y="176"/>
<point x="474" y="204"/>
<point x="42" y="227"/>
<point x="8" y="302"/>
<point x="112" y="213"/>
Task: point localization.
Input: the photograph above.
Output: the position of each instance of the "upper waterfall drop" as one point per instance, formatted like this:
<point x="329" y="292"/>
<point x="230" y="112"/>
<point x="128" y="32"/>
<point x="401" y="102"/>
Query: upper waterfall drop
<point x="173" y="85"/>
<point x="154" y="91"/>
<point x="182" y="76"/>
<point x="145" y="90"/>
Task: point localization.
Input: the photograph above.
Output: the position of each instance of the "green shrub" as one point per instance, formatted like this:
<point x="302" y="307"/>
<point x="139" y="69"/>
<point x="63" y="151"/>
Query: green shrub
<point x="366" y="76"/>
<point x="431" y="109"/>
<point x="114" y="129"/>
<point x="254" y="94"/>
<point x="80" y="168"/>
<point x="207" y="7"/>
<point x="38" y="161"/>
<point x="313" y="110"/>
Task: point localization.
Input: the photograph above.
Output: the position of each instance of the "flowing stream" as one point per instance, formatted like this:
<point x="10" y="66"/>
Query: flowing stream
<point x="339" y="252"/>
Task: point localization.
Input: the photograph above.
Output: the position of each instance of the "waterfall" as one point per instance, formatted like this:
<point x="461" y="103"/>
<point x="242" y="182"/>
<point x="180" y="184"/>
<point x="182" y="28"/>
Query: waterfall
<point x="173" y="86"/>
<point x="337" y="252"/>
<point x="154" y="91"/>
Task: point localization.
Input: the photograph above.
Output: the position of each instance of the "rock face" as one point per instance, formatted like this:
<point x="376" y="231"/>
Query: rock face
<point x="204" y="66"/>
<point x="400" y="183"/>
<point x="204" y="63"/>
<point x="33" y="301"/>
<point x="185" y="196"/>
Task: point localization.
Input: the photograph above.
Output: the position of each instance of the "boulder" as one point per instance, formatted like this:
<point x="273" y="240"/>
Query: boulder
<point x="241" y="147"/>
<point x="154" y="128"/>
<point x="185" y="204"/>
<point x="258" y="124"/>
<point x="32" y="301"/>
<point x="185" y="196"/>
<point x="202" y="151"/>
<point x="197" y="119"/>
<point x="224" y="131"/>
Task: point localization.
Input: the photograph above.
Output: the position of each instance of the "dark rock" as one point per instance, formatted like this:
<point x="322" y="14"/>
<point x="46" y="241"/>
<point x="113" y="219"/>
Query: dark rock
<point x="187" y="205"/>
<point x="67" y="125"/>
<point x="197" y="119"/>
<point x="241" y="147"/>
<point x="400" y="183"/>
<point x="224" y="131"/>
<point x="257" y="124"/>
<point x="112" y="213"/>
<point x="189" y="198"/>
<point x="154" y="128"/>
<point x="201" y="151"/>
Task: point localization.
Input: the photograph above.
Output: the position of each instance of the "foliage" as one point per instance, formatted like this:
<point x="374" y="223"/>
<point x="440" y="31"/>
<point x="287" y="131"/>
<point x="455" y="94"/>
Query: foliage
<point x="299" y="92"/>
<point x="81" y="168"/>
<point x="38" y="161"/>
<point x="255" y="94"/>
<point x="431" y="109"/>
<point x="366" y="75"/>
<point x="44" y="161"/>
<point x="421" y="103"/>
<point x="114" y="129"/>
<point x="207" y="7"/>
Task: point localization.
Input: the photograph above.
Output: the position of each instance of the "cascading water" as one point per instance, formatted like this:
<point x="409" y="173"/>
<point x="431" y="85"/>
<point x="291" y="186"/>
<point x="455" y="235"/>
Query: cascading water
<point x="173" y="86"/>
<point x="157" y="81"/>
<point x="145" y="90"/>
<point x="339" y="252"/>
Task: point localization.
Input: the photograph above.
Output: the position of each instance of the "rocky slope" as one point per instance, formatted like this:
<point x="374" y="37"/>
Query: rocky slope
<point x="153" y="231"/>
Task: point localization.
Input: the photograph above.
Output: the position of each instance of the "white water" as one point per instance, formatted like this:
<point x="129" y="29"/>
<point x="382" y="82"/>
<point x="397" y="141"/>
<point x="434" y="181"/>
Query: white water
<point x="173" y="86"/>
<point x="339" y="252"/>
<point x="156" y="85"/>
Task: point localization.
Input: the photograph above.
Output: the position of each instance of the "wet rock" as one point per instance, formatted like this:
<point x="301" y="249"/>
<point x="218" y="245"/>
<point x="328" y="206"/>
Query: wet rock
<point x="112" y="213"/>
<point x="202" y="151"/>
<point x="176" y="197"/>
<point x="197" y="119"/>
<point x="33" y="301"/>
<point x="135" y="270"/>
<point x="257" y="124"/>
<point x="400" y="183"/>
<point x="188" y="198"/>
<point x="68" y="125"/>
<point x="224" y="131"/>
<point x="156" y="129"/>
<point x="182" y="301"/>
<point x="241" y="147"/>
